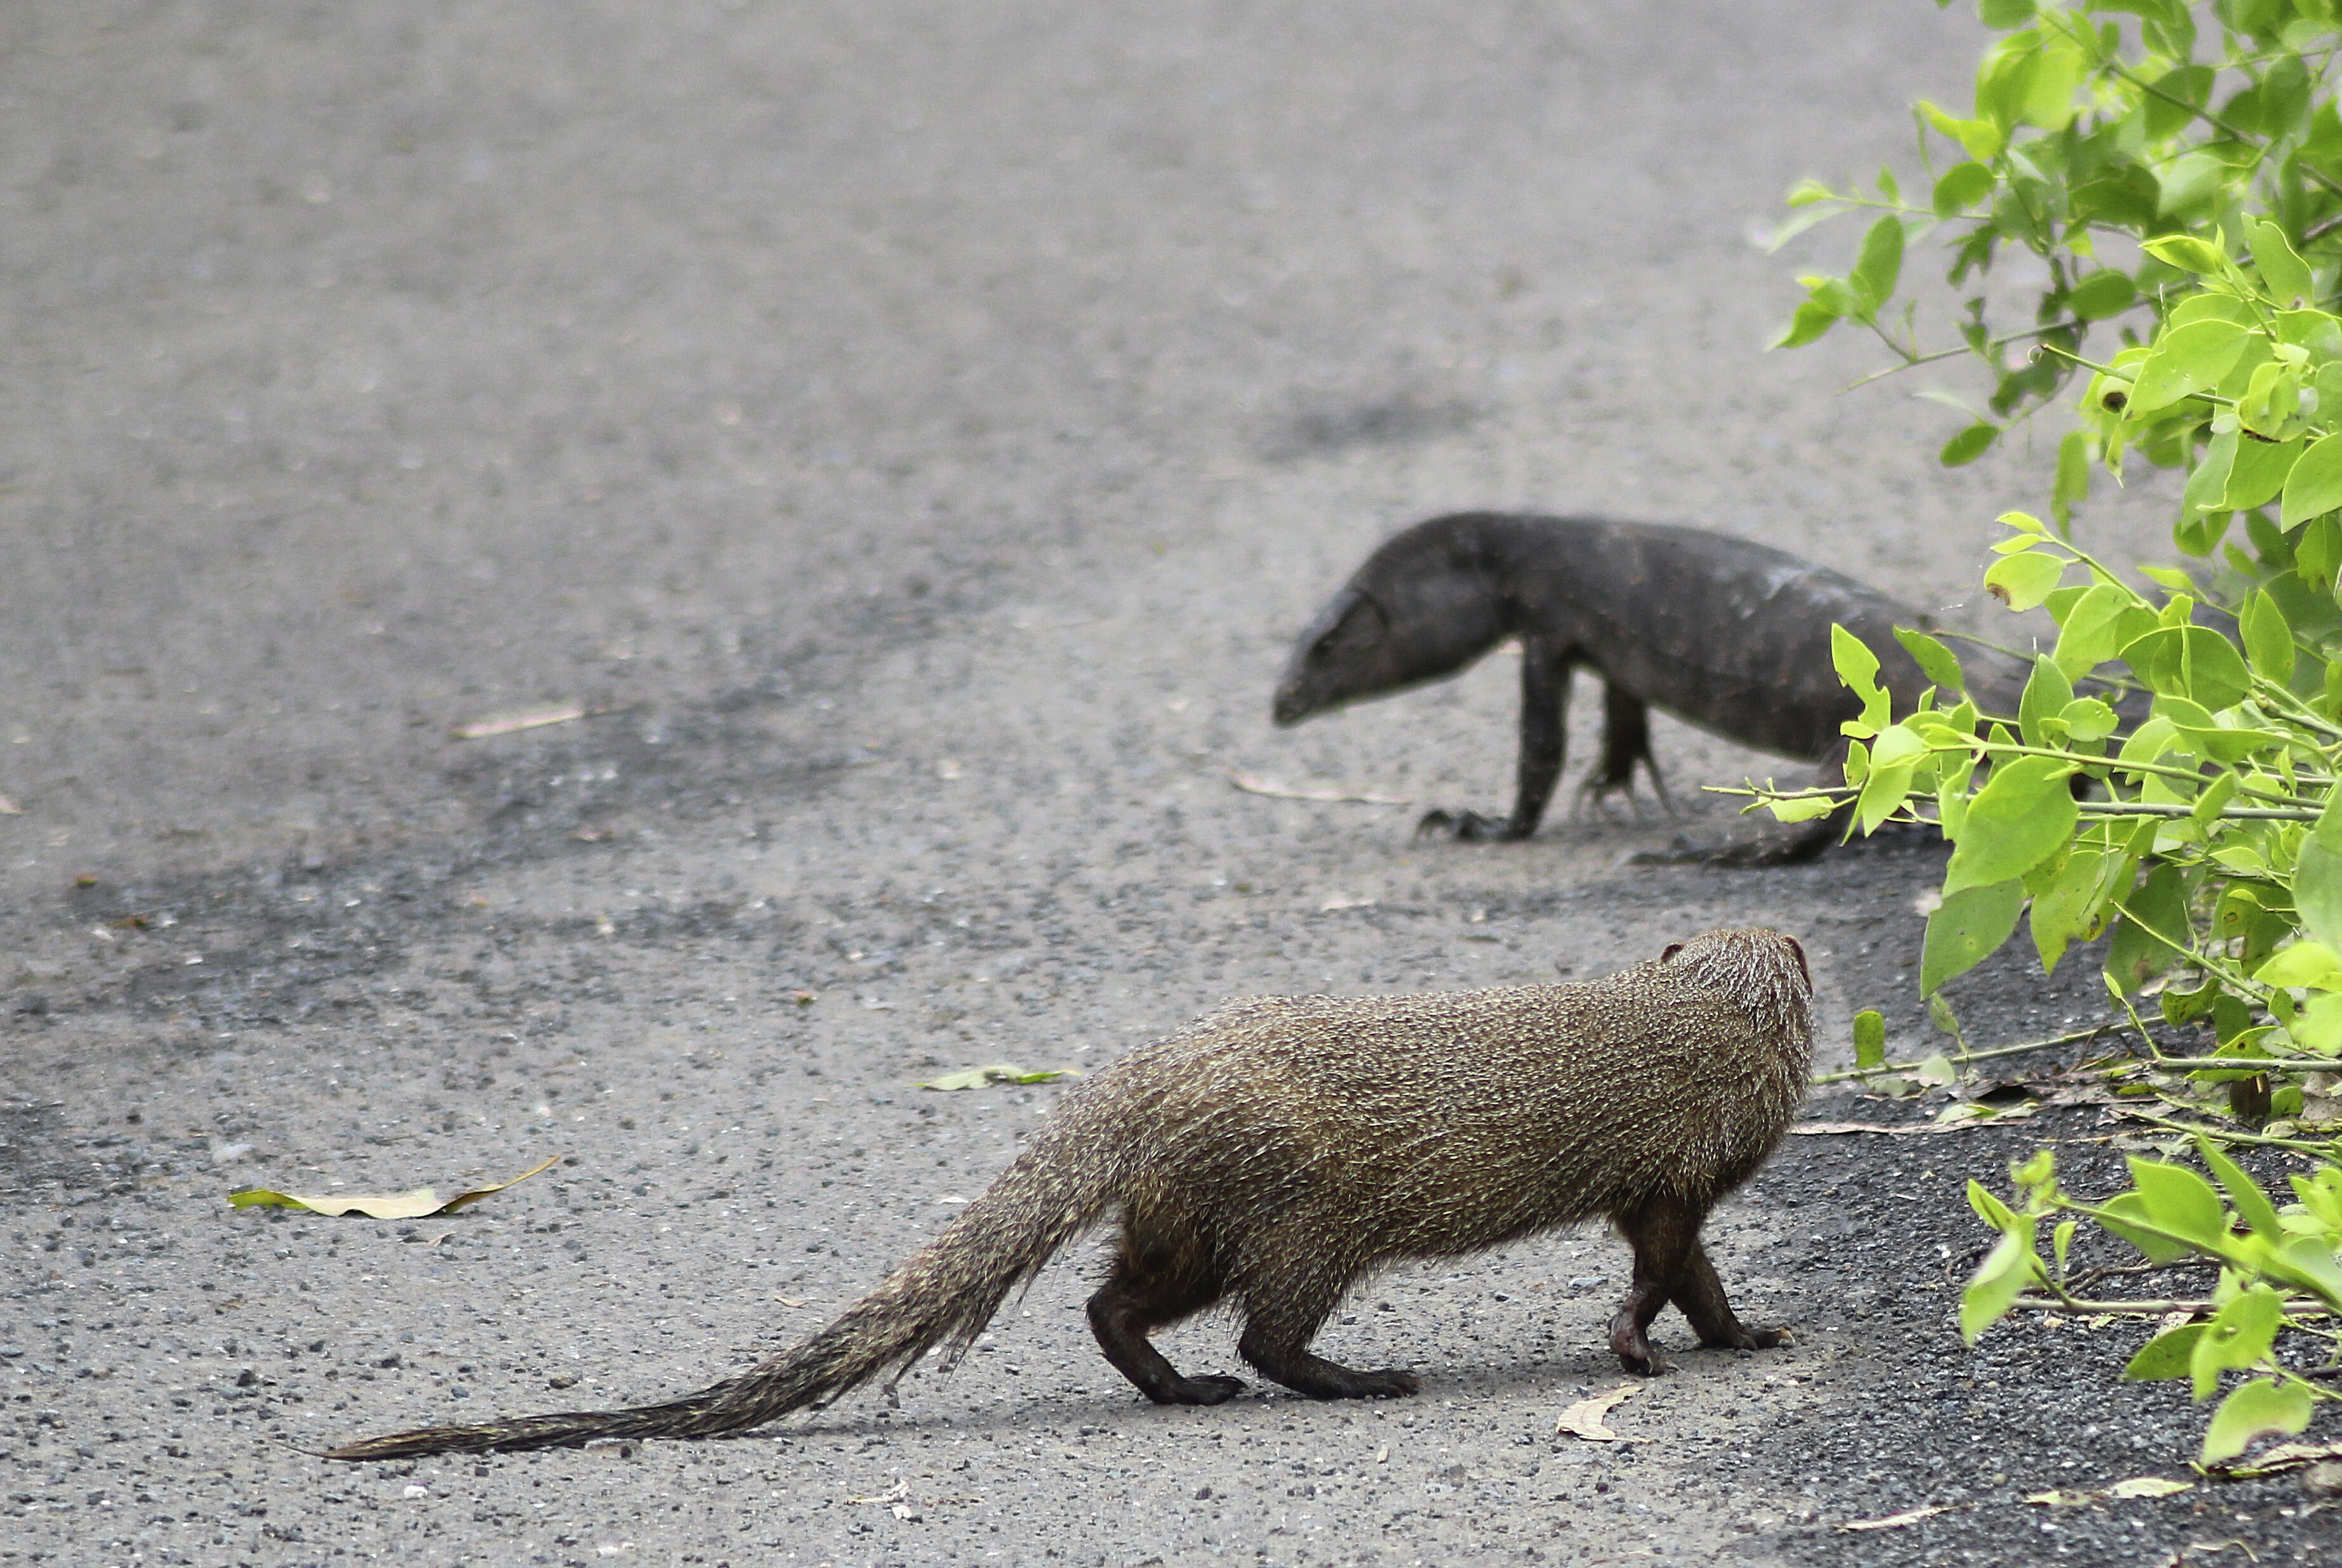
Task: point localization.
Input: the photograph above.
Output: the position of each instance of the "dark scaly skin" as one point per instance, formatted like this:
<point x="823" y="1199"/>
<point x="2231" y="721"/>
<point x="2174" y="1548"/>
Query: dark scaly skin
<point x="1728" y="635"/>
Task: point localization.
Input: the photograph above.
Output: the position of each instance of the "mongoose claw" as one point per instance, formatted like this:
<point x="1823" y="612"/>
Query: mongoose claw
<point x="1209" y="1389"/>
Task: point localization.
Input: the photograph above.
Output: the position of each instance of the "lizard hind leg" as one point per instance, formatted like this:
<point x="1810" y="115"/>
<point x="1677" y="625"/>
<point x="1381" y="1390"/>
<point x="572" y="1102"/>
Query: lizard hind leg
<point x="1626" y="741"/>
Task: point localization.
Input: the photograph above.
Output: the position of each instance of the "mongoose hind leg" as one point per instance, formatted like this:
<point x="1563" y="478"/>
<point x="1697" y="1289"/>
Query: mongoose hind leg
<point x="1143" y="1290"/>
<point x="1700" y="1295"/>
<point x="1278" y="1332"/>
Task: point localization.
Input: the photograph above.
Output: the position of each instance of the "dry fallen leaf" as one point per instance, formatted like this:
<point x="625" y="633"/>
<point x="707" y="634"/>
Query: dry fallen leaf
<point x="507" y="723"/>
<point x="2149" y="1486"/>
<point x="2276" y="1460"/>
<point x="1584" y="1419"/>
<point x="1252" y="785"/>
<point x="1897" y="1520"/>
<point x="408" y="1206"/>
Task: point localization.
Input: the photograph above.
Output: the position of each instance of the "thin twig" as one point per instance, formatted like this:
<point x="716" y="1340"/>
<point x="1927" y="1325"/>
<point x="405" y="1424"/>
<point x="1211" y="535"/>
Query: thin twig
<point x="2078" y="1304"/>
<point x="1965" y="1056"/>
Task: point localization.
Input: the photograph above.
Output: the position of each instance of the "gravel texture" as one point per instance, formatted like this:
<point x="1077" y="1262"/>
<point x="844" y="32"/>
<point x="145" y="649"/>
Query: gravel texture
<point x="912" y="433"/>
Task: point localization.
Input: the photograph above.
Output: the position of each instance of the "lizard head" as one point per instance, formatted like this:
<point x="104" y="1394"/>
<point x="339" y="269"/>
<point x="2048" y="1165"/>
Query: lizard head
<point x="1423" y="606"/>
<point x="1336" y="659"/>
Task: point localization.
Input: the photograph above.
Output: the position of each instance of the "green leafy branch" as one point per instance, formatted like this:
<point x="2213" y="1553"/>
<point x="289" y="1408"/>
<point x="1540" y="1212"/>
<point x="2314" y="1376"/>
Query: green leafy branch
<point x="2277" y="1269"/>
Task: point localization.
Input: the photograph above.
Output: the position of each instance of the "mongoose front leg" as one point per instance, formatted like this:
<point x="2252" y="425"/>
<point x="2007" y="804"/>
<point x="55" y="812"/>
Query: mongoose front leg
<point x="1701" y="1296"/>
<point x="1123" y="1311"/>
<point x="1545" y="734"/>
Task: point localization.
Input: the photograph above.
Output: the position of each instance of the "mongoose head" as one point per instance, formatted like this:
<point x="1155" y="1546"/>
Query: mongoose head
<point x="1762" y="970"/>
<point x="1420" y="608"/>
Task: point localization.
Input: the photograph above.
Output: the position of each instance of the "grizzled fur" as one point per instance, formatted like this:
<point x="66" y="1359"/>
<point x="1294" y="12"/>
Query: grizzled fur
<point x="1731" y="636"/>
<point x="1272" y="1153"/>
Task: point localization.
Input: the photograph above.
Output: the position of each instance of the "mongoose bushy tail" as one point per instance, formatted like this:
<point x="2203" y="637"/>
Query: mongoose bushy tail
<point x="1272" y="1153"/>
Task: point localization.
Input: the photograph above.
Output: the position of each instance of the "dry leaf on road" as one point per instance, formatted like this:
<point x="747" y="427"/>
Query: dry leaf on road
<point x="408" y="1206"/>
<point x="1584" y="1419"/>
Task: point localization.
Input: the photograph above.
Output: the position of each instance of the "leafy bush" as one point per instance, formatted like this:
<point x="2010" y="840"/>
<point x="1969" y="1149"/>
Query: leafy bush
<point x="2177" y="172"/>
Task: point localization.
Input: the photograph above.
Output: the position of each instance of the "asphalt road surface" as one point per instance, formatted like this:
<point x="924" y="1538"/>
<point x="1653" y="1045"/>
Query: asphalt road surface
<point x="905" y="439"/>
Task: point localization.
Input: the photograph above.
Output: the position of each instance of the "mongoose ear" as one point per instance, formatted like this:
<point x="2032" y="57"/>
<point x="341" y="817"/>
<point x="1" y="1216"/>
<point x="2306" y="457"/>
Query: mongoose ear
<point x="1673" y="948"/>
<point x="1803" y="967"/>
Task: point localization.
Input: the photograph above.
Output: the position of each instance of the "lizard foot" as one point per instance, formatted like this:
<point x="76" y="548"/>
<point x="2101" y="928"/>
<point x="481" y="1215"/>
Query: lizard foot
<point x="1467" y="825"/>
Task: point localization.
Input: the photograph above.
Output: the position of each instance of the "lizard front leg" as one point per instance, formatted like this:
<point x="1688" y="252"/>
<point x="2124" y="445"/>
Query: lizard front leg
<point x="1545" y="732"/>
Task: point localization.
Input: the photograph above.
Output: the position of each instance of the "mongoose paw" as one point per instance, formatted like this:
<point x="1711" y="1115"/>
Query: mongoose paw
<point x="1389" y="1383"/>
<point x="1207" y="1390"/>
<point x="1635" y="1352"/>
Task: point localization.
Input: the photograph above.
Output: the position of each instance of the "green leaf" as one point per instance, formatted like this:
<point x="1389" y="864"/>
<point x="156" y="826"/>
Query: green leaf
<point x="2124" y="1213"/>
<point x="2191" y="85"/>
<point x="1962" y="187"/>
<point x="2086" y="631"/>
<point x="2167" y="1356"/>
<point x="2074" y="906"/>
<point x="2088" y="719"/>
<point x="1869" y="1039"/>
<point x="2024" y="814"/>
<point x="2023" y="580"/>
<point x="1966" y="928"/>
<point x="1803" y="808"/>
<point x="1895" y="755"/>
<point x="1809" y="321"/>
<point x="1981" y="139"/>
<point x="2192" y="662"/>
<point x="1857" y="671"/>
<point x="2189" y="253"/>
<point x="2282" y="273"/>
<point x="2046" y="693"/>
<point x="2180" y="1202"/>
<point x="1935" y="662"/>
<point x="1999" y="1280"/>
<point x="2240" y="1334"/>
<point x="2268" y="641"/>
<point x="2186" y="359"/>
<point x="2252" y="1205"/>
<point x="2302" y="963"/>
<point x="2158" y="905"/>
<point x="2314" y="488"/>
<point x="1877" y="266"/>
<point x="2317" y="877"/>
<point x="1969" y="445"/>
<point x="2073" y="481"/>
<point x="2005" y="15"/>
<point x="2260" y="472"/>
<point x="2261" y="1408"/>
<point x="2103" y="294"/>
<point x="993" y="1073"/>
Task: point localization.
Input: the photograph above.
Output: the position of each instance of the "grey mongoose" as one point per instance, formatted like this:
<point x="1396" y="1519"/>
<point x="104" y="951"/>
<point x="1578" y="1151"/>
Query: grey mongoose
<point x="1732" y="635"/>
<point x="1271" y="1153"/>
